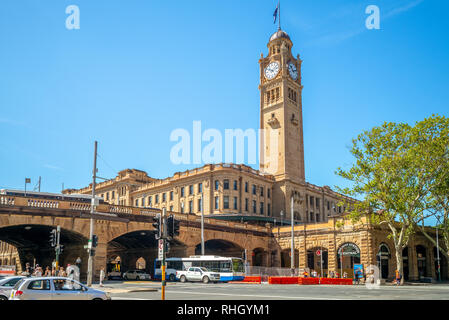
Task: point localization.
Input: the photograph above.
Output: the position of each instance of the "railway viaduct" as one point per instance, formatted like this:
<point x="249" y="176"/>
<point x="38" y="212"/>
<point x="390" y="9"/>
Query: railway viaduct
<point x="123" y="232"/>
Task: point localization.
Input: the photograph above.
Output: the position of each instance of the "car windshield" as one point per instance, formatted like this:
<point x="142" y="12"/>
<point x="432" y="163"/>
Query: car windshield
<point x="9" y="282"/>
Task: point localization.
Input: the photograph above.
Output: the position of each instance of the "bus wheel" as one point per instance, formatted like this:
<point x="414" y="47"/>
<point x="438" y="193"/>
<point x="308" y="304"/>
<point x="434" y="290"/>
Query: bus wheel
<point x="172" y="277"/>
<point x="205" y="279"/>
<point x="183" y="279"/>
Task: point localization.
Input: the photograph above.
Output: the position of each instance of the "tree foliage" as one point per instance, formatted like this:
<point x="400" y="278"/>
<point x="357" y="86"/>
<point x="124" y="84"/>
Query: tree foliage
<point x="400" y="173"/>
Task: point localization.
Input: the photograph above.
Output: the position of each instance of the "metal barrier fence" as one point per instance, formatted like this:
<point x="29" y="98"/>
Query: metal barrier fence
<point x="266" y="272"/>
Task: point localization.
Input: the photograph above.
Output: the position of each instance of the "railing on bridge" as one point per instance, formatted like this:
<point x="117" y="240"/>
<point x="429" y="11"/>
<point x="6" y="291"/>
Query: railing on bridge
<point x="119" y="211"/>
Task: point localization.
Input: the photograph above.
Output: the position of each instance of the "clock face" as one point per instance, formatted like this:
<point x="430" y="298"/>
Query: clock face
<point x="293" y="71"/>
<point x="272" y="70"/>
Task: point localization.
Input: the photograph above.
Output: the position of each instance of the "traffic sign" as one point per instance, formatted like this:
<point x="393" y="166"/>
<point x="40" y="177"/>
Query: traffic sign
<point x="318" y="252"/>
<point x="161" y="249"/>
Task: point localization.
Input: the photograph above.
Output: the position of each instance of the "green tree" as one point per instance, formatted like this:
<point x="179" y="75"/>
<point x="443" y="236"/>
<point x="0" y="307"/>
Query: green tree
<point x="389" y="181"/>
<point x="431" y="149"/>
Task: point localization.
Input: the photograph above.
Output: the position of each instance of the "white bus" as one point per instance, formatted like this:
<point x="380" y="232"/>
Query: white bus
<point x="229" y="268"/>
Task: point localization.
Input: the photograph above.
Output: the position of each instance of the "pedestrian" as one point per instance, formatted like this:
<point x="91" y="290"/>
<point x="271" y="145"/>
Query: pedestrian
<point x="398" y="277"/>
<point x="78" y="263"/>
<point x="53" y="271"/>
<point x="345" y="275"/>
<point x="47" y="272"/>
<point x="101" y="276"/>
<point x="62" y="272"/>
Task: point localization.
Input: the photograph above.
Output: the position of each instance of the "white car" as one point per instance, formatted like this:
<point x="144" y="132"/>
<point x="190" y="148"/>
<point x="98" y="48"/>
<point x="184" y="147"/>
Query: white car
<point x="136" y="275"/>
<point x="54" y="288"/>
<point x="197" y="274"/>
<point x="6" y="285"/>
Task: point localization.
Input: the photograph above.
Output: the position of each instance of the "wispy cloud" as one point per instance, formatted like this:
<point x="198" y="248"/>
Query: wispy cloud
<point x="333" y="38"/>
<point x="402" y="9"/>
<point x="49" y="166"/>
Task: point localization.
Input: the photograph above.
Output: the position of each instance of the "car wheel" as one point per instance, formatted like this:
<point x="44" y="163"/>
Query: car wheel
<point x="205" y="279"/>
<point x="183" y="279"/>
<point x="97" y="299"/>
<point x="172" y="277"/>
<point x="3" y="298"/>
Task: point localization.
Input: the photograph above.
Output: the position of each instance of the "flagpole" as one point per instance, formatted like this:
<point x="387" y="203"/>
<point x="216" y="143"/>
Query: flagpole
<point x="279" y="3"/>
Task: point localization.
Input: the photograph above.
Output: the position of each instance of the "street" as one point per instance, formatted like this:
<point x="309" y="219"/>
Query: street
<point x="239" y="291"/>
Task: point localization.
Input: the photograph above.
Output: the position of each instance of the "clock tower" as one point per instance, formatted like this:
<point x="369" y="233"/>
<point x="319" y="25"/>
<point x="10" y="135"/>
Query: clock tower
<point x="282" y="147"/>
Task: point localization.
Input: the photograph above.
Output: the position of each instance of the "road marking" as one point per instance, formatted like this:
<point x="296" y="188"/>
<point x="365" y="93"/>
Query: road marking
<point x="126" y="298"/>
<point x="255" y="296"/>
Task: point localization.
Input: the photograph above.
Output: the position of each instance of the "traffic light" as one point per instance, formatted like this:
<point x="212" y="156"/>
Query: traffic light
<point x="158" y="226"/>
<point x="167" y="247"/>
<point x="175" y="227"/>
<point x="53" y="238"/>
<point x="172" y="227"/>
<point x="94" y="240"/>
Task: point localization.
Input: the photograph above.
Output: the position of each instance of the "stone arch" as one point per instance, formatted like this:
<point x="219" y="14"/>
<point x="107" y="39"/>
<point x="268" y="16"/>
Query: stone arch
<point x="286" y="258"/>
<point x="140" y="243"/>
<point x="32" y="243"/>
<point x="318" y="259"/>
<point x="422" y="260"/>
<point x="383" y="255"/>
<point x="141" y="264"/>
<point x="348" y="254"/>
<point x="259" y="257"/>
<point x="221" y="247"/>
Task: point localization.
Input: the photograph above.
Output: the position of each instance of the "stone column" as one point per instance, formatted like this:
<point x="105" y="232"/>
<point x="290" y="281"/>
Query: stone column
<point x="190" y="251"/>
<point x="413" y="261"/>
<point x="331" y="254"/>
<point x="100" y="260"/>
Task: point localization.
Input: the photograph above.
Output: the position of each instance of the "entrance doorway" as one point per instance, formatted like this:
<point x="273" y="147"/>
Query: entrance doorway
<point x="383" y="257"/>
<point x="348" y="255"/>
<point x="405" y="263"/>
<point x="316" y="258"/>
<point x="422" y="261"/>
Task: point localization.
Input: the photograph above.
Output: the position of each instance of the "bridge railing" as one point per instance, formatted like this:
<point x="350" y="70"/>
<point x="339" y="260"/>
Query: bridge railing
<point x="117" y="210"/>
<point x="7" y="201"/>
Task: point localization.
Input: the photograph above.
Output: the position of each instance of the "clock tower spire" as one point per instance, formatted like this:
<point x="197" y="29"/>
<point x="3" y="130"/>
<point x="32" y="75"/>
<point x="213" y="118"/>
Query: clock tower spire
<point x="282" y="148"/>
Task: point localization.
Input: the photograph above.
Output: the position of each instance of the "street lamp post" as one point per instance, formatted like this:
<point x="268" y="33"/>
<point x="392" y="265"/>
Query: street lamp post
<point x="202" y="226"/>
<point x="438" y="259"/>
<point x="292" y="252"/>
<point x="91" y="230"/>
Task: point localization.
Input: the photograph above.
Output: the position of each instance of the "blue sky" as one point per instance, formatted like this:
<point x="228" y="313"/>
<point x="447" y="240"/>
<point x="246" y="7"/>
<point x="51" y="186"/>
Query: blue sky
<point x="138" y="69"/>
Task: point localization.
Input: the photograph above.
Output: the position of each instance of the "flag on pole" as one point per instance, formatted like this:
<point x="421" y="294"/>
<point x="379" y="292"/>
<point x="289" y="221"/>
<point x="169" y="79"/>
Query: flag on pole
<point x="275" y="14"/>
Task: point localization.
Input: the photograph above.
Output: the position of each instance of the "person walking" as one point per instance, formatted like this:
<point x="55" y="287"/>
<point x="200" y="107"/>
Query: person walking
<point x="101" y="276"/>
<point x="397" y="277"/>
<point x="47" y="272"/>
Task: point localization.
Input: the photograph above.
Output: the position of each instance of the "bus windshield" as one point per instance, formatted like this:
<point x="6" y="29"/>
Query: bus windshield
<point x="237" y="265"/>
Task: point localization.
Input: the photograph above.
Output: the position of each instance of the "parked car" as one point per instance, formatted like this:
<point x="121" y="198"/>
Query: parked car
<point x="54" y="288"/>
<point x="136" y="275"/>
<point x="197" y="274"/>
<point x="7" y="284"/>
